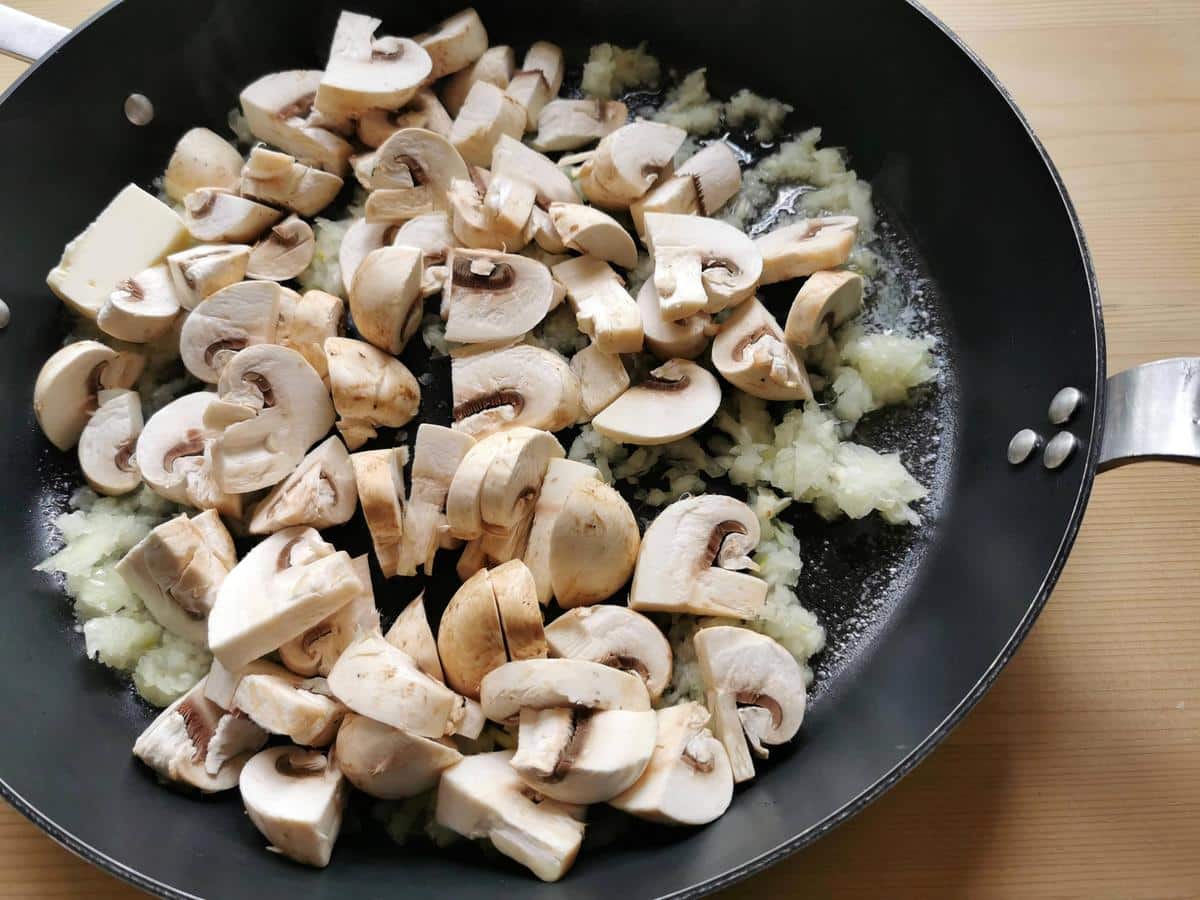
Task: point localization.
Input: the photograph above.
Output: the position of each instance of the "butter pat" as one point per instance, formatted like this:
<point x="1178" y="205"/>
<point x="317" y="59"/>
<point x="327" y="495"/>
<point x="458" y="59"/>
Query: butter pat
<point x="135" y="231"/>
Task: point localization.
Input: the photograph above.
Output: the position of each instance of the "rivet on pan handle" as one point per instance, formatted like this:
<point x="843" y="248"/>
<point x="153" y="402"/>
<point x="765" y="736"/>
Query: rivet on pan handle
<point x="1153" y="412"/>
<point x="27" y="37"/>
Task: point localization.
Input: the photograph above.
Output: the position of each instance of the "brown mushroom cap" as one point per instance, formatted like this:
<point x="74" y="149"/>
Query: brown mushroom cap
<point x="470" y="637"/>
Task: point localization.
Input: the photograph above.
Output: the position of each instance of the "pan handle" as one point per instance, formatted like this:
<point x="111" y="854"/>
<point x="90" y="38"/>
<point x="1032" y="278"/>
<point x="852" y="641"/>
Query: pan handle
<point x="1153" y="412"/>
<point x="27" y="37"/>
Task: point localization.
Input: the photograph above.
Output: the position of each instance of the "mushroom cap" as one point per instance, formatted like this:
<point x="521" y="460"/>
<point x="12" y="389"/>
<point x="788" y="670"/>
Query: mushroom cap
<point x="805" y="247"/>
<point x="591" y="231"/>
<point x="571" y="124"/>
<point x="370" y="389"/>
<point x="316" y="650"/>
<point x="603" y="308"/>
<point x="614" y="636"/>
<point x="366" y="72"/>
<point x="387" y="763"/>
<point x="470" y="636"/>
<point x="518" y="385"/>
<point x="65" y="393"/>
<point x="202" y="158"/>
<point x="675" y="400"/>
<point x="751" y="353"/>
<point x="201" y="271"/>
<point x="701" y="186"/>
<point x="234" y="318"/>
<point x="305" y="324"/>
<point x="628" y="162"/>
<point x="380" y="478"/>
<point x="212" y="215"/>
<point x="286" y="704"/>
<point x="556" y="683"/>
<point x="422" y="162"/>
<point x="172" y="444"/>
<point x="108" y="441"/>
<point x="593" y="546"/>
<point x="412" y="634"/>
<point x="454" y="43"/>
<point x="602" y="378"/>
<point x="700" y="264"/>
<point x="486" y="114"/>
<point x="284" y="252"/>
<point x="277" y="179"/>
<point x="361" y="239"/>
<point x="141" y="308"/>
<point x="562" y="475"/>
<point x="516" y="160"/>
<point x="825" y="301"/>
<point x="685" y="338"/>
<point x="385" y="297"/>
<point x="320" y="492"/>
<point x="496" y="66"/>
<point x="277" y="107"/>
<point x="495" y="297"/>
<point x="520" y="614"/>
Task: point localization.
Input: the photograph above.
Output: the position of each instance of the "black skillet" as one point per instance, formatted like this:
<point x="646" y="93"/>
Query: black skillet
<point x="1014" y="296"/>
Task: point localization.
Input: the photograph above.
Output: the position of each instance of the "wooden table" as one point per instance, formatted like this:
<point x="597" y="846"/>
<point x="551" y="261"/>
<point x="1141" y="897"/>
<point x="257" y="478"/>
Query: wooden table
<point x="1079" y="774"/>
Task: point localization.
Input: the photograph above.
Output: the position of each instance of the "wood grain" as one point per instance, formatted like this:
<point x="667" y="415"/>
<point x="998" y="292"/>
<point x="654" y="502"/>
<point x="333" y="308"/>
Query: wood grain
<point x="1079" y="774"/>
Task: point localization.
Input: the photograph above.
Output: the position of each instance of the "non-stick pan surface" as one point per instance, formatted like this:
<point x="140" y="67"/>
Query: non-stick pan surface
<point x="950" y="160"/>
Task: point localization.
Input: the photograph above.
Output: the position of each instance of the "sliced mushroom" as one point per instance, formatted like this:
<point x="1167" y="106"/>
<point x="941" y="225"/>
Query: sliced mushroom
<point x="470" y="637"/>
<point x="174" y="458"/>
<point x="602" y="379"/>
<point x="520" y="614"/>
<point x="201" y="159"/>
<point x="806" y="247"/>
<point x="177" y="570"/>
<point x="571" y="124"/>
<point x="234" y="318"/>
<point x="519" y="385"/>
<point x="827" y="300"/>
<point x="593" y="546"/>
<point x="370" y="388"/>
<point x="486" y="114"/>
<point x="65" y="393"/>
<point x="727" y="728"/>
<point x="212" y="215"/>
<point x="417" y="167"/>
<point x="108" y="441"/>
<point x="455" y="43"/>
<point x="750" y="352"/>
<point x="675" y="400"/>
<point x="593" y="232"/>
<point x="200" y="272"/>
<point x="141" y="308"/>
<point x="277" y="108"/>
<point x="316" y="650"/>
<point x="495" y="220"/>
<point x="628" y="162"/>
<point x="380" y="479"/>
<point x="432" y="235"/>
<point x="558" y="683"/>
<point x="412" y="634"/>
<point x="688" y="781"/>
<point x="688" y="557"/>
<point x="700" y="264"/>
<point x="424" y="110"/>
<point x="320" y="493"/>
<point x="221" y="684"/>
<point x="437" y="453"/>
<point x="701" y="186"/>
<point x="195" y="743"/>
<point x="306" y="323"/>
<point x="362" y="238"/>
<point x="538" y="81"/>
<point x="365" y="72"/>
<point x="285" y="251"/>
<point x="495" y="66"/>
<point x="514" y="476"/>
<point x="286" y="704"/>
<point x="385" y="297"/>
<point x="495" y="297"/>
<point x="483" y="797"/>
<point x="614" y="636"/>
<point x="276" y="178"/>
<point x="387" y="763"/>
<point x="562" y="476"/>
<point x="295" y="798"/>
<point x="603" y="308"/>
<point x="683" y="339"/>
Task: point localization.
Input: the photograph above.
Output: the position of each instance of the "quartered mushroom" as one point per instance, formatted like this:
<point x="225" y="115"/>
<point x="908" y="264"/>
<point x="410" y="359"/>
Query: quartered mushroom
<point x="827" y="300"/>
<point x="367" y="72"/>
<point x="361" y="239"/>
<point x="494" y="297"/>
<point x="385" y="297"/>
<point x="483" y="797"/>
<point x="673" y="401"/>
<point x="562" y="476"/>
<point x="196" y="744"/>
<point x="424" y="110"/>
<point x="690" y="559"/>
<point x="470" y="637"/>
<point x="495" y="66"/>
<point x="306" y="322"/>
<point x="277" y="108"/>
<point x="700" y="264"/>
<point x="201" y="271"/>
<point x="282" y="703"/>
<point x="807" y="246"/>
<point x="234" y="318"/>
<point x="316" y="650"/>
<point x="388" y="763"/>
<point x="411" y="174"/>
<point x="558" y="683"/>
<point x="571" y="124"/>
<point x="495" y="219"/>
<point x="295" y="798"/>
<point x="284" y="252"/>
<point x="486" y="114"/>
<point x="320" y="493"/>
<point x="177" y="571"/>
<point x="519" y="385"/>
<point x="379" y="475"/>
<point x="108" y="441"/>
<point x="66" y="391"/>
<point x="437" y="453"/>
<point x="412" y="634"/>
<point x="538" y="80"/>
<point x="666" y="339"/>
<point x="602" y="379"/>
<point x="590" y="231"/>
<point x="213" y="215"/>
<point x="276" y="178"/>
<point x="603" y="308"/>
<point x="593" y="545"/>
<point x="454" y="43"/>
<point x="628" y="162"/>
<point x="173" y="455"/>
<point x="688" y="780"/>
<point x="614" y="636"/>
<point x="700" y="186"/>
<point x="371" y="389"/>
<point x="141" y="308"/>
<point x="751" y="353"/>
<point x="202" y="158"/>
<point x="520" y="614"/>
<point x="432" y="235"/>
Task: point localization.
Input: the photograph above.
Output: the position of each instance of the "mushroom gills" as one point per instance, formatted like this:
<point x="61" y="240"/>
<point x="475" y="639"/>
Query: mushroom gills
<point x="494" y="297"/>
<point x="367" y="72"/>
<point x="316" y="650"/>
<point x="520" y="385"/>
<point x="701" y="186"/>
<point x="142" y="308"/>
<point x="67" y="389"/>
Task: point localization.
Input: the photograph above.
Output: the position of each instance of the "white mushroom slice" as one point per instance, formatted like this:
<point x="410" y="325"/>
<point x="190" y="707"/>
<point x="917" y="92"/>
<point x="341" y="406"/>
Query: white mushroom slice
<point x="284" y="252"/>
<point x="387" y="763"/>
<point x="437" y="453"/>
<point x="141" y="308"/>
<point x="603" y="308"/>
<point x="366" y="72"/>
<point x="286" y="704"/>
<point x="602" y="379"/>
<point x="370" y="388"/>
<point x="425" y="110"/>
<point x="483" y="797"/>
<point x="562" y="476"/>
<point x="320" y="493"/>
<point x="234" y="318"/>
<point x="495" y="220"/>
<point x="520" y="614"/>
<point x="391" y="206"/>
<point x="513" y="159"/>
<point x="200" y="272"/>
<point x="674" y="400"/>
<point x="727" y="728"/>
<point x="65" y="393"/>
<point x="557" y="683"/>
<point x="520" y="385"/>
<point x="684" y="339"/>
<point x="195" y="743"/>
<point x="807" y="246"/>
<point x="628" y="162"/>
<point x="463" y="516"/>
<point x="701" y="186"/>
<point x="201" y="159"/>
<point x="687" y="556"/>
<point x="362" y="238"/>
<point x="212" y="215"/>
<point x="295" y="798"/>
<point x="316" y="650"/>
<point x="515" y="475"/>
<point x="305" y="323"/>
<point x="276" y="178"/>
<point x="455" y="43"/>
<point x="380" y="479"/>
<point x="486" y="114"/>
<point x="827" y="300"/>
<point x="412" y="634"/>
<point x="495" y="66"/>
<point x="750" y="352"/>
<point x="538" y="81"/>
<point x="495" y="297"/>
<point x="688" y="781"/>
<point x="286" y="584"/>
<point x="378" y="680"/>
<point x="700" y="264"/>
<point x="571" y="124"/>
<point x="417" y="167"/>
<point x="614" y="636"/>
<point x="593" y="546"/>
<point x="277" y="108"/>
<point x="107" y="443"/>
<point x="431" y="234"/>
<point x="544" y="233"/>
<point x="385" y="297"/>
<point x="470" y="638"/>
<point x="173" y="455"/>
<point x="176" y="571"/>
<point x="497" y="545"/>
<point x="593" y="232"/>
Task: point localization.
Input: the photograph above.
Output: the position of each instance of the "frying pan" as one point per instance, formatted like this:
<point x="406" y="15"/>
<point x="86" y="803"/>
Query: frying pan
<point x="957" y="172"/>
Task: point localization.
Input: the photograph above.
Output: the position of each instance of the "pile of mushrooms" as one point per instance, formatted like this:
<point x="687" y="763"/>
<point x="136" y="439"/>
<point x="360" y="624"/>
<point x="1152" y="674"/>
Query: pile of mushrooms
<point x="278" y="439"/>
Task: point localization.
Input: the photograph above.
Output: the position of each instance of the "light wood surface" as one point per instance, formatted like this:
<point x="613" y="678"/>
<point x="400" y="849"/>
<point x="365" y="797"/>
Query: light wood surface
<point x="1079" y="774"/>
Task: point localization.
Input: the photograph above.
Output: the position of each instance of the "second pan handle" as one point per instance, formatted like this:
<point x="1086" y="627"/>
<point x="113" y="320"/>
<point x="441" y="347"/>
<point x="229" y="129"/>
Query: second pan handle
<point x="27" y="37"/>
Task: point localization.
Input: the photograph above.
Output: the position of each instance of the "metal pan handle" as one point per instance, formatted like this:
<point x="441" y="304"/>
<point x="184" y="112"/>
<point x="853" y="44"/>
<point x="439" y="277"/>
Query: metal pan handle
<point x="1153" y="412"/>
<point x="27" y="37"/>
